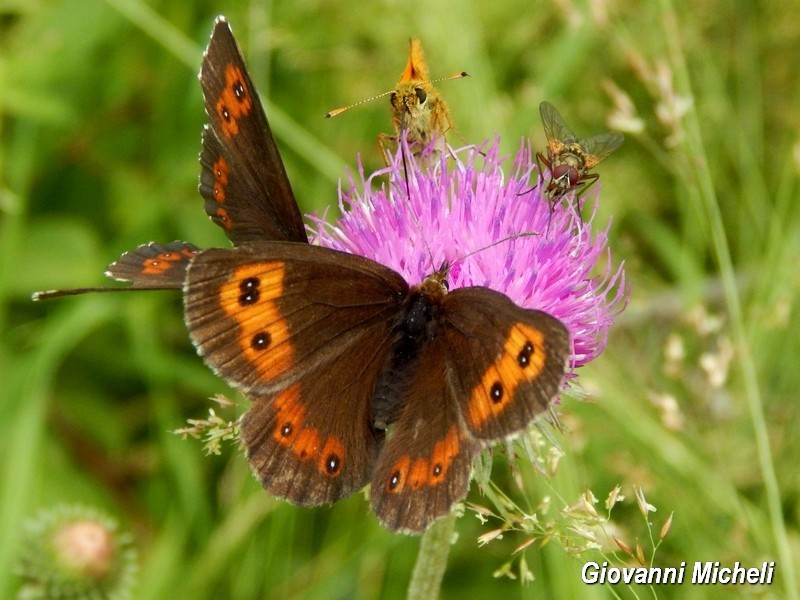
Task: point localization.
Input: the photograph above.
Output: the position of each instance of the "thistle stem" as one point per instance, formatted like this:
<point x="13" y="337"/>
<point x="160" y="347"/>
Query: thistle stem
<point x="431" y="562"/>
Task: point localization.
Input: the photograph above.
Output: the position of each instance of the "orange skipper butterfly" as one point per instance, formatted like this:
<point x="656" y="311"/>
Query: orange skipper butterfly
<point x="418" y="108"/>
<point x="355" y="376"/>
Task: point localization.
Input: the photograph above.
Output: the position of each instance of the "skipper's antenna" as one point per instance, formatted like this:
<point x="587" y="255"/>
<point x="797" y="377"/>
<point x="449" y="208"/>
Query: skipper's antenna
<point x="337" y="111"/>
<point x="448" y="78"/>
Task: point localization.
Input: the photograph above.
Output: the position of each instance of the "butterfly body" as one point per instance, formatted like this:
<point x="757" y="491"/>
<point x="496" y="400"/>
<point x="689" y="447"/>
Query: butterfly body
<point x="415" y="325"/>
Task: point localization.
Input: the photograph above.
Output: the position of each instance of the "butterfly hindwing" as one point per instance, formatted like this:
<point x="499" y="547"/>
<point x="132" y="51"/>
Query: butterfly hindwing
<point x="243" y="180"/>
<point x="312" y="443"/>
<point x="426" y="464"/>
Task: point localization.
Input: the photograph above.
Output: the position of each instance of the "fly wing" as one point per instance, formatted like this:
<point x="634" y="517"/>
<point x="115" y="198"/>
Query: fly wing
<point x="600" y="146"/>
<point x="556" y="131"/>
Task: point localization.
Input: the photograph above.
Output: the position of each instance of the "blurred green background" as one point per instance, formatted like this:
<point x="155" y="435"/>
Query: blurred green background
<point x="695" y="399"/>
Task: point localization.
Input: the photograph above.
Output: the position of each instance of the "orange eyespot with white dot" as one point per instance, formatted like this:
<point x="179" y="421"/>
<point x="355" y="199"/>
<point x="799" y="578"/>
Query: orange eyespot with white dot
<point x="425" y="471"/>
<point x="221" y="171"/>
<point x="234" y="102"/>
<point x="290" y="415"/>
<point x="224" y="219"/>
<point x="522" y="360"/>
<point x="306" y="443"/>
<point x="332" y="457"/>
<point x="160" y="264"/>
<point x="249" y="297"/>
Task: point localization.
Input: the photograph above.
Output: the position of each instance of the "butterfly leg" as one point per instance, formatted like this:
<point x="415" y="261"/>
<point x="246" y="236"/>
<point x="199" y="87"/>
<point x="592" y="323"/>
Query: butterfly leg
<point x="384" y="147"/>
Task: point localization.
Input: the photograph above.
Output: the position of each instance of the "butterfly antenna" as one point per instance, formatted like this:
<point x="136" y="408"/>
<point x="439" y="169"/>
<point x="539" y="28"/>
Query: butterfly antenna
<point x="508" y="238"/>
<point x="448" y="78"/>
<point x="338" y="111"/>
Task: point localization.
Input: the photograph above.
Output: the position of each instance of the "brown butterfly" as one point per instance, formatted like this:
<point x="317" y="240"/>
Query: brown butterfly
<point x="568" y="158"/>
<point x="418" y="109"/>
<point x="355" y="376"/>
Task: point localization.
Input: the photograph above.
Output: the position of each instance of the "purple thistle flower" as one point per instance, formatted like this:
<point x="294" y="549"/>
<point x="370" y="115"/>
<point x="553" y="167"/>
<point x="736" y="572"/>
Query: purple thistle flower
<point x="494" y="232"/>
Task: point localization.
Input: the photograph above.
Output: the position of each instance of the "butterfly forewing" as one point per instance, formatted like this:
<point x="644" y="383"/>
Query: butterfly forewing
<point x="416" y="70"/>
<point x="265" y="314"/>
<point x="243" y="180"/>
<point x="506" y="363"/>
